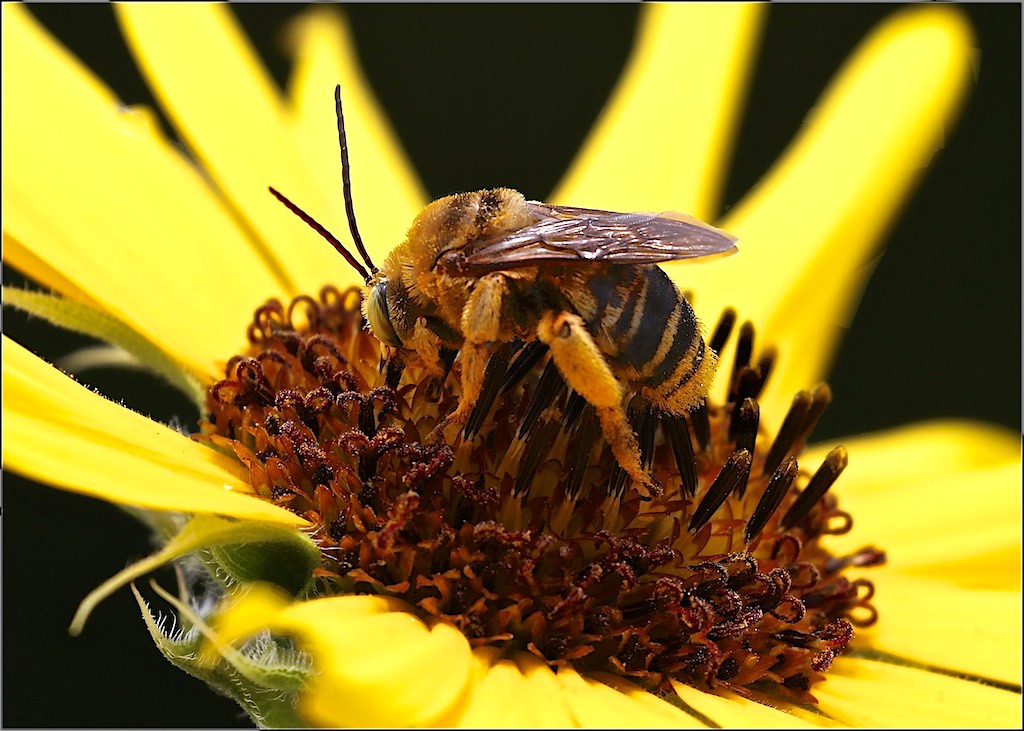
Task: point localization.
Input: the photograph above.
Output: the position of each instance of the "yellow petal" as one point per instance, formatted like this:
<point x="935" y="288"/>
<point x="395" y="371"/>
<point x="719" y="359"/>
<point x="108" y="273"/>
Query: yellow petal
<point x="225" y="106"/>
<point x="919" y="616"/>
<point x="383" y="668"/>
<point x="729" y="710"/>
<point x="501" y="695"/>
<point x="249" y="610"/>
<point x="805" y="246"/>
<point x="59" y="432"/>
<point x="127" y="348"/>
<point x="258" y="605"/>
<point x="663" y="141"/>
<point x="133" y="220"/>
<point x="861" y="692"/>
<point x="595" y="704"/>
<point x="43" y="272"/>
<point x="386" y="190"/>
<point x="942" y="498"/>
<point x="946" y="527"/>
<point x="884" y="461"/>
<point x="544" y="687"/>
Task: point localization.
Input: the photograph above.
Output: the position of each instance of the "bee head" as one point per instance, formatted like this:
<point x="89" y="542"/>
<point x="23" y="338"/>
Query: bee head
<point x="377" y="309"/>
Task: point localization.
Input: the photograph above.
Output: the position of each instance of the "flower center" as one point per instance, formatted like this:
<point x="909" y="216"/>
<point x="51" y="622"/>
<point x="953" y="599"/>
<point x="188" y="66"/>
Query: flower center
<point x="527" y="535"/>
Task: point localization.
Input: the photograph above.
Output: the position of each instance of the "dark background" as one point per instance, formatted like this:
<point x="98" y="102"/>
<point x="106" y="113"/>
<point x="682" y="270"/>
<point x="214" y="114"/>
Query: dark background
<point x="937" y="333"/>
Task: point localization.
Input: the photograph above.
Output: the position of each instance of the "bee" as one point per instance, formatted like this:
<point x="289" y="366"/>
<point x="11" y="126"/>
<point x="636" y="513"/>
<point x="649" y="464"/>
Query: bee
<point x="481" y="269"/>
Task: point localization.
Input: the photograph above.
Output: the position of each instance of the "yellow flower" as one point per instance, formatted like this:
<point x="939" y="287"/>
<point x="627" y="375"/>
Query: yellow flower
<point x="102" y="209"/>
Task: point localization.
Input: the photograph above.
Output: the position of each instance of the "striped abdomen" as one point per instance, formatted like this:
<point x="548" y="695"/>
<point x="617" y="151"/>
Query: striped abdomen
<point x="650" y="334"/>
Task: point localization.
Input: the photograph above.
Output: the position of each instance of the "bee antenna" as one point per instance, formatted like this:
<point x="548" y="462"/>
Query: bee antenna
<point x="346" y="181"/>
<point x="323" y="232"/>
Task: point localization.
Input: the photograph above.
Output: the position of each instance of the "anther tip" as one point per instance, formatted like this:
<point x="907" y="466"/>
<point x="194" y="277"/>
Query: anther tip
<point x="837" y="459"/>
<point x="822" y="392"/>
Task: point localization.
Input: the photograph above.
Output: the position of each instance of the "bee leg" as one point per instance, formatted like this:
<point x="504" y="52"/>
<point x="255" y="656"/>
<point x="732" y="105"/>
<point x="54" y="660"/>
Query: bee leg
<point x="474" y="358"/>
<point x="481" y="328"/>
<point x="428" y="347"/>
<point x="584" y="367"/>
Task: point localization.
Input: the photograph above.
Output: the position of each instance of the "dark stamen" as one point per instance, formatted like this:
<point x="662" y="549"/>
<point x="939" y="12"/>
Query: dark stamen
<point x="732" y="472"/>
<point x="573" y="408"/>
<point x="748" y="384"/>
<point x="393" y="372"/>
<point x="617" y="482"/>
<point x="746" y="434"/>
<point x="701" y="425"/>
<point x="788" y="432"/>
<point x="549" y="388"/>
<point x="868" y="556"/>
<point x="493" y="377"/>
<point x="827" y="474"/>
<point x="778" y="486"/>
<point x="745" y="424"/>
<point x="619" y="479"/>
<point x="744" y="388"/>
<point x="678" y="434"/>
<point x="645" y="436"/>
<point x="525" y="359"/>
<point x="537" y="448"/>
<point x="346" y="182"/>
<point x="764" y="366"/>
<point x="338" y="246"/>
<point x="722" y="330"/>
<point x="744" y="348"/>
<point x="587" y="433"/>
<point x="821" y="397"/>
<point x="367" y="422"/>
<point x="448" y="356"/>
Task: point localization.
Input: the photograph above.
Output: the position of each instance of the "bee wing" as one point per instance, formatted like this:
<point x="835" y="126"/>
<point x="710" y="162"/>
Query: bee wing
<point x="565" y="235"/>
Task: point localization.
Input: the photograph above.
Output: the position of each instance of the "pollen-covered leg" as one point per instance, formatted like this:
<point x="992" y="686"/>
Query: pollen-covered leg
<point x="428" y="348"/>
<point x="481" y="317"/>
<point x="474" y="366"/>
<point x="481" y="328"/>
<point x="619" y="434"/>
<point x="584" y="368"/>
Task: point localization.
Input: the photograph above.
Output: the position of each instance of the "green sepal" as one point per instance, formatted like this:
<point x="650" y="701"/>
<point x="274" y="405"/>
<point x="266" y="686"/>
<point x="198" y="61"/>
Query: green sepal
<point x="264" y="676"/>
<point x="288" y="565"/>
<point x="213" y="531"/>
<point x="88" y="320"/>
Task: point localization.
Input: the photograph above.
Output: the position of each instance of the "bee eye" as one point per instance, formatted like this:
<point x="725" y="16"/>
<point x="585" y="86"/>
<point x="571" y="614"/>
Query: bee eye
<point x="379" y="318"/>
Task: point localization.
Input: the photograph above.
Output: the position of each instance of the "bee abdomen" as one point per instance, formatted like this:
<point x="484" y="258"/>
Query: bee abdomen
<point x="653" y="332"/>
<point x="683" y="357"/>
